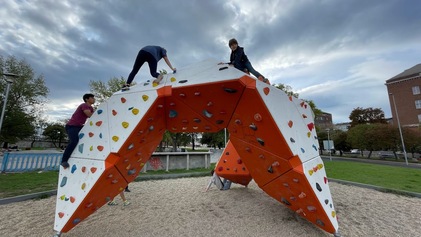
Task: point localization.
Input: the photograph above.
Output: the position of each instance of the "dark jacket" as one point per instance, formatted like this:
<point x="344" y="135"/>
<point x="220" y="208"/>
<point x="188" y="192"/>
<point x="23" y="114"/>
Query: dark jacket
<point x="238" y="58"/>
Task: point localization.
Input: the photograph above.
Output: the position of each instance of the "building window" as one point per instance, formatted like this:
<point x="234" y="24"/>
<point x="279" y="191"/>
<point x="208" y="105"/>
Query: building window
<point x="419" y="118"/>
<point x="415" y="90"/>
<point x="418" y="104"/>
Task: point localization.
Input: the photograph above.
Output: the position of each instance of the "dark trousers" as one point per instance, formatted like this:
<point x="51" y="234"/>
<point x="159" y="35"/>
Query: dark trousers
<point x="73" y="134"/>
<point x="141" y="58"/>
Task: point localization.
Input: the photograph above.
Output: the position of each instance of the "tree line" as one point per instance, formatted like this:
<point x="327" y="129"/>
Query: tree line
<point x="28" y="97"/>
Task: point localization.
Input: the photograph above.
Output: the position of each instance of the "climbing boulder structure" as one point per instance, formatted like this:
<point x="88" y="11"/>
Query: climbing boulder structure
<point x="272" y="140"/>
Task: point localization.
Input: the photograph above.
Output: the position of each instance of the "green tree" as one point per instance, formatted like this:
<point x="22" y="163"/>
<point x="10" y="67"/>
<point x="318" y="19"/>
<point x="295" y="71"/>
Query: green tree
<point x="340" y="140"/>
<point x="214" y="140"/>
<point x="56" y="133"/>
<point x="367" y="115"/>
<point x="26" y="100"/>
<point x="372" y="137"/>
<point x="104" y="90"/>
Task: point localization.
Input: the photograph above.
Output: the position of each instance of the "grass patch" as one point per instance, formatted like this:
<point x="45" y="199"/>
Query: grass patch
<point x="399" y="178"/>
<point x="15" y="184"/>
<point x="389" y="177"/>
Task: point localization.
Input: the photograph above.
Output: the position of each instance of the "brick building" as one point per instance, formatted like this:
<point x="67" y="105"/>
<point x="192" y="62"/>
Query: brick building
<point x="405" y="89"/>
<point x="323" y="120"/>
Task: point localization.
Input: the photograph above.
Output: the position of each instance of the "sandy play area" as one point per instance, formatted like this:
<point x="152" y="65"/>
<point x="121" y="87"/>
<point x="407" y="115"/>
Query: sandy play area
<point x="180" y="207"/>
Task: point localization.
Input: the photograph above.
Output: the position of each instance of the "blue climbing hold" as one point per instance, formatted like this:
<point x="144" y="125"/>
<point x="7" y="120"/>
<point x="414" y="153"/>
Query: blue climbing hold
<point x="74" y="168"/>
<point x="63" y="181"/>
<point x="80" y="148"/>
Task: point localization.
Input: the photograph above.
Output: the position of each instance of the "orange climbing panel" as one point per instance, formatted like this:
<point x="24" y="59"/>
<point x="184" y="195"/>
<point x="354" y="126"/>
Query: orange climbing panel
<point x="272" y="140"/>
<point x="231" y="167"/>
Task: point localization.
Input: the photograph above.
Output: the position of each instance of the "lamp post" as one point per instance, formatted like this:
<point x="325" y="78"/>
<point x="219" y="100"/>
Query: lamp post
<point x="9" y="79"/>
<point x="399" y="126"/>
<point x="328" y="144"/>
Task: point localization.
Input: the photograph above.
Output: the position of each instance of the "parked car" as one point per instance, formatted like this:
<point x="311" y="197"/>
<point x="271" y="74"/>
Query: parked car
<point x="355" y="151"/>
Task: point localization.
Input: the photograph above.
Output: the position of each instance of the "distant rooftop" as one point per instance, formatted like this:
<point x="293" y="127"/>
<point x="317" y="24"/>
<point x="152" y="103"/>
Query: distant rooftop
<point x="411" y="72"/>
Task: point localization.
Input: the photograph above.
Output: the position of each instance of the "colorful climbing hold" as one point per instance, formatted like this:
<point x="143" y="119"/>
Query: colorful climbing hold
<point x="266" y="90"/>
<point x="135" y="111"/>
<point x="63" y="181"/>
<point x="80" y="148"/>
<point x="115" y="138"/>
<point x="125" y="124"/>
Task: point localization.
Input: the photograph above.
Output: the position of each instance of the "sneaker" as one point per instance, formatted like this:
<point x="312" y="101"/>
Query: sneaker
<point x="112" y="203"/>
<point x="157" y="80"/>
<point x="65" y="164"/>
<point x="126" y="203"/>
<point x="125" y="87"/>
<point x="127" y="190"/>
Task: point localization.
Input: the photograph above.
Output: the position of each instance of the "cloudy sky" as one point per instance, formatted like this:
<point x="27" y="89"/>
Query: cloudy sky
<point x="338" y="53"/>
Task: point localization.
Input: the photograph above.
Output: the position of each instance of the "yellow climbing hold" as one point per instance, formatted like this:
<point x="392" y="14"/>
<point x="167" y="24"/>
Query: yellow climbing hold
<point x="154" y="84"/>
<point x="173" y="79"/>
<point x="145" y="97"/>
<point x="83" y="186"/>
<point x="115" y="138"/>
<point x="91" y="123"/>
<point x="308" y="134"/>
<point x="125" y="124"/>
<point x="311" y="172"/>
<point x="91" y="148"/>
<point x="135" y="111"/>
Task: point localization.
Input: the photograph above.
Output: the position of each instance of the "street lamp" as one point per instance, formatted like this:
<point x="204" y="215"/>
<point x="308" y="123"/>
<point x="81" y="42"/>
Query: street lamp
<point x="328" y="143"/>
<point x="399" y="126"/>
<point x="9" y="79"/>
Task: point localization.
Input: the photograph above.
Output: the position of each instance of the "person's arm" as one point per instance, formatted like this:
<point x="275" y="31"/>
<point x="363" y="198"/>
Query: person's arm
<point x="88" y="112"/>
<point x="169" y="64"/>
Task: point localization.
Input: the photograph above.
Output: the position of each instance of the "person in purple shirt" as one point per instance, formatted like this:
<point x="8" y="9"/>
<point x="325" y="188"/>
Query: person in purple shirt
<point x="150" y="54"/>
<point x="75" y="124"/>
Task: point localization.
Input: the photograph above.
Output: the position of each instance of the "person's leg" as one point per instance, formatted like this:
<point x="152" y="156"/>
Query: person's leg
<point x="153" y="64"/>
<point x="140" y="60"/>
<point x="252" y="70"/>
<point x="73" y="134"/>
<point x="123" y="197"/>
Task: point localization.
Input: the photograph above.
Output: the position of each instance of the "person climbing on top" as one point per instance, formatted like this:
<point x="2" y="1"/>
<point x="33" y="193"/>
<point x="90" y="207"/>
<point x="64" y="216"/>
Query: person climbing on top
<point x="150" y="54"/>
<point x="239" y="60"/>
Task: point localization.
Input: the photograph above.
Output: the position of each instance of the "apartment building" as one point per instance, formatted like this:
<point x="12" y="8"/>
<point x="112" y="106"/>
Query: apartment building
<point x="405" y="97"/>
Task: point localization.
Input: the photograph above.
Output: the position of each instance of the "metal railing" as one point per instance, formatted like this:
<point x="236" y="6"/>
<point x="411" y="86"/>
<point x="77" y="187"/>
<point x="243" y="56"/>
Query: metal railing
<point x="24" y="162"/>
<point x="21" y="162"/>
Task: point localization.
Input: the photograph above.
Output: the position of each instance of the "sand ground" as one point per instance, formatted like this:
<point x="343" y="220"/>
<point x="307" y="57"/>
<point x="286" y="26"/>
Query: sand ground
<point x="180" y="207"/>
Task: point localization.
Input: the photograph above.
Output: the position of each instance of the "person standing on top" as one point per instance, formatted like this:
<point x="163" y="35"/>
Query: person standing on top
<point x="75" y="124"/>
<point x="150" y="54"/>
